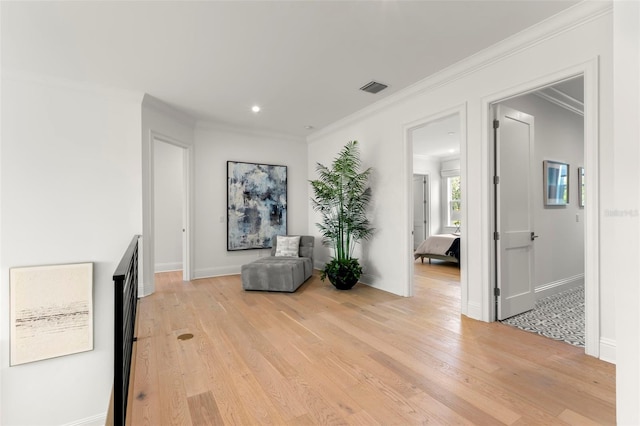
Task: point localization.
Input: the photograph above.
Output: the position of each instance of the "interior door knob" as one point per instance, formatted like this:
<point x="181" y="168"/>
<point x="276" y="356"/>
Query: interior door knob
<point x="534" y="236"/>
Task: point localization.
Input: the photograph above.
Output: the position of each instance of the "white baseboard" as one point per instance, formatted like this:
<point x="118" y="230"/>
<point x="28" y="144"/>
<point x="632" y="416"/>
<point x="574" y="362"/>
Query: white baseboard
<point x="167" y="267"/>
<point x="97" y="420"/>
<point x="368" y="279"/>
<point x="217" y="272"/>
<point x="608" y="350"/>
<point x="555" y="287"/>
<point x="474" y="311"/>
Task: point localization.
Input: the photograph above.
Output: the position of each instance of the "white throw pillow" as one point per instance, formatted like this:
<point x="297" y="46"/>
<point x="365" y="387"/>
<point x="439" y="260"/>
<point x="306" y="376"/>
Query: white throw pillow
<point x="287" y="246"/>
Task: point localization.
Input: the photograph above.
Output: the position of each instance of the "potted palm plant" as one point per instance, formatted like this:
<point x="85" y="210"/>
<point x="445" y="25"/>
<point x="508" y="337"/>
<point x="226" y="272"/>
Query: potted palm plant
<point x="341" y="196"/>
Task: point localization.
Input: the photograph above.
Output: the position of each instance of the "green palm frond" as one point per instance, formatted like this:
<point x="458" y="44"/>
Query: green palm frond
<point x="341" y="196"/>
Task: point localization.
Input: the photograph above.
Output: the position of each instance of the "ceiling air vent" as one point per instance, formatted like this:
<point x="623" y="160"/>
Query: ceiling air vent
<point x="373" y="87"/>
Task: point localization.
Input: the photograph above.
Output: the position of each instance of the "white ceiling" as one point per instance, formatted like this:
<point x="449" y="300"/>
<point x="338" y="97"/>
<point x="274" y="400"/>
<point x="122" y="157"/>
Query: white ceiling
<point x="438" y="139"/>
<point x="301" y="61"/>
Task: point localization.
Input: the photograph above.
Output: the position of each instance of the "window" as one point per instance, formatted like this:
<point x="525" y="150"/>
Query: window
<point x="453" y="201"/>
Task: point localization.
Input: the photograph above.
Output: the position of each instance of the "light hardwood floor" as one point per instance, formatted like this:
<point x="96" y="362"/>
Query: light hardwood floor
<point x="363" y="356"/>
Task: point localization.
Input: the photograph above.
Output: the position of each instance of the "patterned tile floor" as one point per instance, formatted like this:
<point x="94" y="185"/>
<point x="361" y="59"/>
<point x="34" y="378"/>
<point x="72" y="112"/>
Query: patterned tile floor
<point x="559" y="317"/>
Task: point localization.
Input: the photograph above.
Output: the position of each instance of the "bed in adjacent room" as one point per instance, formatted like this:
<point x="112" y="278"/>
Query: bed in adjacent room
<point x="441" y="246"/>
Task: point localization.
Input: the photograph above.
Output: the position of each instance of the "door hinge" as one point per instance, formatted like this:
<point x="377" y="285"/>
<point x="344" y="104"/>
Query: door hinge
<point x="496" y="235"/>
<point x="496" y="291"/>
<point x="496" y="124"/>
<point x="496" y="180"/>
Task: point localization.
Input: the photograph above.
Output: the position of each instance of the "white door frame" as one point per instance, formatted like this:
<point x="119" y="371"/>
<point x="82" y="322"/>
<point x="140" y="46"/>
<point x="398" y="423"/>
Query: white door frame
<point x="426" y="209"/>
<point x="589" y="70"/>
<point x="461" y="110"/>
<point x="148" y="220"/>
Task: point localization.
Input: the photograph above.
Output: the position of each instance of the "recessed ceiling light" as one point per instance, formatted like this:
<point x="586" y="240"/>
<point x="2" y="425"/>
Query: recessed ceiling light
<point x="308" y="127"/>
<point x="255" y="108"/>
<point x="452" y="150"/>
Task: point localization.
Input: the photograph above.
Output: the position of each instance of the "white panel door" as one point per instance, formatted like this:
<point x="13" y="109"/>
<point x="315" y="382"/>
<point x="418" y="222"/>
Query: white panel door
<point x="420" y="206"/>
<point x="514" y="219"/>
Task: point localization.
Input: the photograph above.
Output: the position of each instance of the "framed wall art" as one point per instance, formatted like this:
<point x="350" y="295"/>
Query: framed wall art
<point x="256" y="205"/>
<point x="556" y="183"/>
<point x="51" y="311"/>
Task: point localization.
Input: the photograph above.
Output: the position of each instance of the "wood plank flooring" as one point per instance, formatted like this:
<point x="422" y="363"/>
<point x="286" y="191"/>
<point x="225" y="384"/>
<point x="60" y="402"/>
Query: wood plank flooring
<point x="362" y="357"/>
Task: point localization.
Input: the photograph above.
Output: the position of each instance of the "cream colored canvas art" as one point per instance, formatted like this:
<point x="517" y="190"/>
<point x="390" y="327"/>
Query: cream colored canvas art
<point x="51" y="311"/>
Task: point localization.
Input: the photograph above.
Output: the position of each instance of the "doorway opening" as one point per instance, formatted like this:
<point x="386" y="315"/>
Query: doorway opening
<point x="541" y="248"/>
<point x="168" y="210"/>
<point x="435" y="146"/>
<point x="168" y="217"/>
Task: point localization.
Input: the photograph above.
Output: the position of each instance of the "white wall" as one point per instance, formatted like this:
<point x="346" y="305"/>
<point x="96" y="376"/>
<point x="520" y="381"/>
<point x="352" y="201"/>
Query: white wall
<point x="215" y="145"/>
<point x="71" y="192"/>
<point x="559" y="250"/>
<point x="528" y="59"/>
<point x="168" y="199"/>
<point x="431" y="166"/>
<point x="621" y="214"/>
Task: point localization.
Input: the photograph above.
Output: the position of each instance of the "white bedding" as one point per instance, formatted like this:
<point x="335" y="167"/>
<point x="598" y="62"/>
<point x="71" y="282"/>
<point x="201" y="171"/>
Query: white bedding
<point x="436" y="244"/>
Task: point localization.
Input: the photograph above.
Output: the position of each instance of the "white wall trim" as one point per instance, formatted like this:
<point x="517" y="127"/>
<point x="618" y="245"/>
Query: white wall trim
<point x="97" y="420"/>
<point x="608" y="350"/>
<point x="148" y="258"/>
<point x="74" y="85"/>
<point x="592" y="209"/>
<point x="259" y="133"/>
<point x="407" y="167"/>
<point x="590" y="71"/>
<point x="187" y="194"/>
<point x="474" y="310"/>
<point x="217" y="272"/>
<point x="563" y="100"/>
<point x="168" y="267"/>
<point x="557" y="286"/>
<point x="162" y="107"/>
<point x="148" y="220"/>
<point x="565" y="21"/>
<point x="369" y="280"/>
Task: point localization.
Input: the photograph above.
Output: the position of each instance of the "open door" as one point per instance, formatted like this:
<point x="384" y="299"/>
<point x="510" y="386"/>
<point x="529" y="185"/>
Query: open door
<point x="514" y="235"/>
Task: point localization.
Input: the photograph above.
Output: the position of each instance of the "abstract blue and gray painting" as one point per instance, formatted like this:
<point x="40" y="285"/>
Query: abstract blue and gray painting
<point x="256" y="205"/>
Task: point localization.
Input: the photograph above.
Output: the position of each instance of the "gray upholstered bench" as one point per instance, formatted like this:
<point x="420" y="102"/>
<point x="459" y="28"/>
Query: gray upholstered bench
<point x="280" y="273"/>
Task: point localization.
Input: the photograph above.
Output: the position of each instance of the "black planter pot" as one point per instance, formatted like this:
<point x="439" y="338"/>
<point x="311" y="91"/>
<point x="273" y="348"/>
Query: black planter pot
<point x="343" y="273"/>
<point x="343" y="282"/>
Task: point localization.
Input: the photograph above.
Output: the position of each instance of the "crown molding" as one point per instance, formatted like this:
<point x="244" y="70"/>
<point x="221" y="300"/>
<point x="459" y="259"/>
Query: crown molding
<point x="565" y="21"/>
<point x="561" y="99"/>
<point x="63" y="83"/>
<point x="246" y="131"/>
<point x="162" y="107"/>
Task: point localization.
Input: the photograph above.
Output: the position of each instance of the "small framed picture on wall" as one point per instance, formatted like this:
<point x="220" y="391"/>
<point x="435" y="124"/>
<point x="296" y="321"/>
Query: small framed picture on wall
<point x="556" y="183"/>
